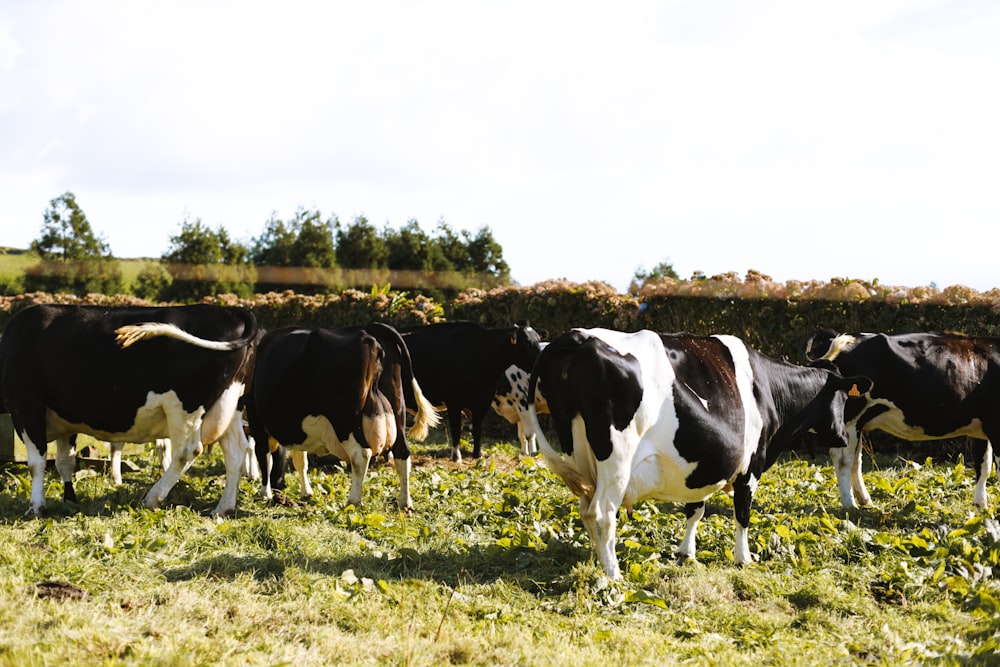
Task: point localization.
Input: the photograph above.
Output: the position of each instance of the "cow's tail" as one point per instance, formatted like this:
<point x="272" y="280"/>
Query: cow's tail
<point x="425" y="417"/>
<point x="578" y="470"/>
<point x="133" y="333"/>
<point x="580" y="482"/>
<point x="371" y="370"/>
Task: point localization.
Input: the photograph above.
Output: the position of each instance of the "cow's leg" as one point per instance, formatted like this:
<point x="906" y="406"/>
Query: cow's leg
<point x="455" y="429"/>
<point x="300" y="459"/>
<point x="66" y="465"/>
<point x="184" y="449"/>
<point x="982" y="457"/>
<point x="477" y="434"/>
<point x="694" y="513"/>
<point x="163" y="451"/>
<point x="36" y="468"/>
<point x="265" y="461"/>
<point x="743" y="490"/>
<point x="358" y="457"/>
<point x="847" y="465"/>
<point x="839" y="457"/>
<point x="235" y="449"/>
<point x="861" y="494"/>
<point x="400" y="455"/>
<point x="529" y="447"/>
<point x="270" y="458"/>
<point x="603" y="510"/>
<point x="250" y="468"/>
<point x="116" y="461"/>
<point x="403" y="472"/>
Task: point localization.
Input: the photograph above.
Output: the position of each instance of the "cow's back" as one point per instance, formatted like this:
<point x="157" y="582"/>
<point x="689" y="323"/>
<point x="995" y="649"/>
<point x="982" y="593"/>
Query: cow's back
<point x="66" y="359"/>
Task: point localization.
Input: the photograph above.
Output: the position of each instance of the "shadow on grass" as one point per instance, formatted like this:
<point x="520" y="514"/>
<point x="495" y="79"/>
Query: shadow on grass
<point x="542" y="575"/>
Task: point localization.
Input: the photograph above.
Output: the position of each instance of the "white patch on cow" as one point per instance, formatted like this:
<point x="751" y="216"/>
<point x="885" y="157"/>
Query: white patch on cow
<point x="220" y="415"/>
<point x="892" y="422"/>
<point x="753" y="420"/>
<point x="320" y="439"/>
<point x="154" y="419"/>
<point x="704" y="402"/>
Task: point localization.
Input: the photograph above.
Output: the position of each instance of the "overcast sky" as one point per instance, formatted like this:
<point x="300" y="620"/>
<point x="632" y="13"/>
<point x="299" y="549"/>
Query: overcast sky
<point x="806" y="140"/>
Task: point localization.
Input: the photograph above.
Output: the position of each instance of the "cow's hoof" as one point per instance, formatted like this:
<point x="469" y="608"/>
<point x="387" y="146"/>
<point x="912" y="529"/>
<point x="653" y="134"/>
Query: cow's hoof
<point x="152" y="503"/>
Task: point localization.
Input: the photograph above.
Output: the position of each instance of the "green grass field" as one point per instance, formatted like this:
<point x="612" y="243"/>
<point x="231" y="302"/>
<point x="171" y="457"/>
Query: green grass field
<point x="493" y="567"/>
<point x="14" y="263"/>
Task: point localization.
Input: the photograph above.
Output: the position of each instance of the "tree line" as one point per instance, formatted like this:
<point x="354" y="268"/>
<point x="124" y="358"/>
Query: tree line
<point x="304" y="253"/>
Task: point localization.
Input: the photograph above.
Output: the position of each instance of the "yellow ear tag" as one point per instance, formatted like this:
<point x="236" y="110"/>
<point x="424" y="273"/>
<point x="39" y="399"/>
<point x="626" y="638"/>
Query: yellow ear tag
<point x="854" y="391"/>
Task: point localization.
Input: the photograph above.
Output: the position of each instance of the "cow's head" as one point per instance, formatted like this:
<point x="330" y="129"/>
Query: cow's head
<point x="831" y="401"/>
<point x="526" y="344"/>
<point x="826" y="393"/>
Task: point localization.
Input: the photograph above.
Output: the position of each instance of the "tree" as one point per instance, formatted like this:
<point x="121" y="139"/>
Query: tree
<point x="486" y="257"/>
<point x="411" y="249"/>
<point x="305" y="243"/>
<point x="313" y="245"/>
<point x="664" y="269"/>
<point x="359" y="246"/>
<point x="275" y="245"/>
<point x="453" y="247"/>
<point x="204" y="262"/>
<point x="73" y="258"/>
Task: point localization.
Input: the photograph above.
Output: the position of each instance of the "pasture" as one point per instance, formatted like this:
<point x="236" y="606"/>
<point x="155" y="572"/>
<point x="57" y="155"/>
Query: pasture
<point x="493" y="567"/>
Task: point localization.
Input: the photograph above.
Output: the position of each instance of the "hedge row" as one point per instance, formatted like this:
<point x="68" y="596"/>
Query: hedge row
<point x="770" y="320"/>
<point x="775" y="319"/>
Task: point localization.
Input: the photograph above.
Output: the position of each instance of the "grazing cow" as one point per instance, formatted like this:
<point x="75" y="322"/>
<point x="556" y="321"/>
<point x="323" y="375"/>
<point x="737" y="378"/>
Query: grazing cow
<point x="458" y="365"/>
<point x="150" y="372"/>
<point x="337" y="391"/>
<point x="675" y="418"/>
<point x="511" y="403"/>
<point x="927" y="387"/>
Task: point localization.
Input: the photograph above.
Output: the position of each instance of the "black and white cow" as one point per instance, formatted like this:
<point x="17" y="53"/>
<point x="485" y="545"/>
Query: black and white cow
<point x="458" y="365"/>
<point x="927" y="387"/>
<point x="675" y="418"/>
<point x="336" y="391"/>
<point x="150" y="372"/>
<point x="511" y="403"/>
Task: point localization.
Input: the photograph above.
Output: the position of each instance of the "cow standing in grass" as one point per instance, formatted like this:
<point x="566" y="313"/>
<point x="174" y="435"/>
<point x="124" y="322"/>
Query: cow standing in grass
<point x="675" y="418"/>
<point x="458" y="365"/>
<point x="927" y="387"/>
<point x="335" y="391"/>
<point x="148" y="372"/>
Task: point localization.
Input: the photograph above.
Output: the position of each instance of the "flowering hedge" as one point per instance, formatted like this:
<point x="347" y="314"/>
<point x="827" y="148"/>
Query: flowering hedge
<point x="773" y="317"/>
